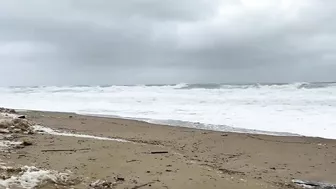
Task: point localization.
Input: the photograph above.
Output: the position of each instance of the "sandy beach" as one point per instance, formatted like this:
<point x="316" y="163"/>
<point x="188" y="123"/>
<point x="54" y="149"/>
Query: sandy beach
<point x="133" y="154"/>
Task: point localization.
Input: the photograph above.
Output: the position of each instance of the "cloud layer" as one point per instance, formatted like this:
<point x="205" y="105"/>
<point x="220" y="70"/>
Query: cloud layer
<point x="69" y="42"/>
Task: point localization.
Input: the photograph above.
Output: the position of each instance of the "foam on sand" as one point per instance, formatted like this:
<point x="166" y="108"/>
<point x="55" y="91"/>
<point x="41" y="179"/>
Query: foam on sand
<point x="41" y="129"/>
<point x="8" y="116"/>
<point x="7" y="144"/>
<point x="29" y="177"/>
<point x="316" y="185"/>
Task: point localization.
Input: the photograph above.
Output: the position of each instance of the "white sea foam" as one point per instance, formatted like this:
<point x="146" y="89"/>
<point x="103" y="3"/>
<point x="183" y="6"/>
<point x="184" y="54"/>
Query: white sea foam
<point x="31" y="177"/>
<point x="8" y="116"/>
<point x="50" y="131"/>
<point x="313" y="184"/>
<point x="302" y="108"/>
<point x="7" y="144"/>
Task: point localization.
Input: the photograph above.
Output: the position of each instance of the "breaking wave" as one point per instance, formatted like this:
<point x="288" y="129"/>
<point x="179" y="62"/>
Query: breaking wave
<point x="183" y="86"/>
<point x="302" y="85"/>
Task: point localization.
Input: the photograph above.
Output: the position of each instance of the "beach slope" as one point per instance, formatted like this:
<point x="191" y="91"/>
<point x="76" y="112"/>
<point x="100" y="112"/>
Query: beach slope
<point x="134" y="154"/>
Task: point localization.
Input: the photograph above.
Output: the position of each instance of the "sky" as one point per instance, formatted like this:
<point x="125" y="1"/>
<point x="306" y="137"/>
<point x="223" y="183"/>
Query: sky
<point x="98" y="42"/>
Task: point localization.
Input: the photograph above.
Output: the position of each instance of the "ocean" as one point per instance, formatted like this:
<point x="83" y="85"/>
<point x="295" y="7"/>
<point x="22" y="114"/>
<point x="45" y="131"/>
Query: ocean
<point x="307" y="109"/>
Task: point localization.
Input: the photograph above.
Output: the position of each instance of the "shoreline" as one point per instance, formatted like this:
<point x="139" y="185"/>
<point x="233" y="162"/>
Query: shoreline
<point x="194" y="159"/>
<point x="184" y="124"/>
<point x="191" y="125"/>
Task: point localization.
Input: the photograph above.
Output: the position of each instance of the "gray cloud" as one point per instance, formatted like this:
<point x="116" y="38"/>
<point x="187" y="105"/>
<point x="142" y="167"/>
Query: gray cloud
<point x="149" y="41"/>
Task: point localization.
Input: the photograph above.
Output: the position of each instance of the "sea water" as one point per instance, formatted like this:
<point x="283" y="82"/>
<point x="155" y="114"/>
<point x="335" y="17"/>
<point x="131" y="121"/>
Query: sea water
<point x="299" y="108"/>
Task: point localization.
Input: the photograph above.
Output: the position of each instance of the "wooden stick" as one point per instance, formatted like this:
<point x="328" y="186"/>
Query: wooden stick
<point x="65" y="150"/>
<point x="159" y="152"/>
<point x="143" y="185"/>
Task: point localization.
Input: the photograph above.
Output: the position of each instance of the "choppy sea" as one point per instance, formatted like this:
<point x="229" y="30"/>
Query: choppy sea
<point x="281" y="109"/>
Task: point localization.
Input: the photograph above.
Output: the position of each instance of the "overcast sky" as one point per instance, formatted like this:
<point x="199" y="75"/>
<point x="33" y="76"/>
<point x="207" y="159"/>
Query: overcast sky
<point x="68" y="42"/>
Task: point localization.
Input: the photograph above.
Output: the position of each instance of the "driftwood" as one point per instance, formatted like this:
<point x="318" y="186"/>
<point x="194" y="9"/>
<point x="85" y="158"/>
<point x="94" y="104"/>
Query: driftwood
<point x="143" y="185"/>
<point x="65" y="150"/>
<point x="159" y="152"/>
<point x="133" y="160"/>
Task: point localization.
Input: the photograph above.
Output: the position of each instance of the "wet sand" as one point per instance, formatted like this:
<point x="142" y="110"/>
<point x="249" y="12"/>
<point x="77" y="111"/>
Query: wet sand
<point x="192" y="158"/>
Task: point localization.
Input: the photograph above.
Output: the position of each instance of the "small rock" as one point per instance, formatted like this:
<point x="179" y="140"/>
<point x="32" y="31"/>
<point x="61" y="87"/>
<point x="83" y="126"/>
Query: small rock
<point x="22" y="117"/>
<point x="120" y="179"/>
<point x="27" y="143"/>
